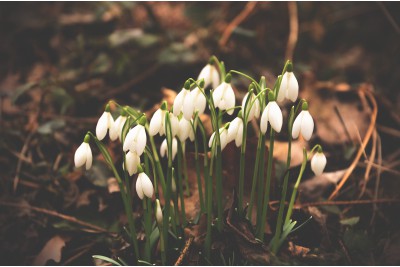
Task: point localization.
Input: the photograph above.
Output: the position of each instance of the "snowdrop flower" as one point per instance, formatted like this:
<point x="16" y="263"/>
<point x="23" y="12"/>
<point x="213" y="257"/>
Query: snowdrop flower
<point x="104" y="123"/>
<point x="136" y="138"/>
<point x="255" y="109"/>
<point x="164" y="148"/>
<point x="223" y="137"/>
<point x="318" y="162"/>
<point x="210" y="75"/>
<point x="235" y="131"/>
<point x="83" y="155"/>
<point x="174" y="124"/>
<point x="183" y="102"/>
<point x="224" y="97"/>
<point x="116" y="129"/>
<point x="157" y="122"/>
<point x="199" y="100"/>
<point x="303" y="124"/>
<point x="272" y="114"/>
<point x="185" y="130"/>
<point x="132" y="162"/>
<point x="144" y="186"/>
<point x="159" y="215"/>
<point x="289" y="86"/>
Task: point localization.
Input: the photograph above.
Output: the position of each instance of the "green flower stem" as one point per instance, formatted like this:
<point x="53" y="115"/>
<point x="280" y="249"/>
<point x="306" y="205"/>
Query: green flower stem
<point x="185" y="171"/>
<point x="260" y="186"/>
<point x="180" y="182"/>
<point x="162" y="246"/>
<point x="124" y="195"/>
<point x="255" y="174"/>
<point x="196" y="159"/>
<point x="157" y="161"/>
<point x="147" y="228"/>
<point x="218" y="171"/>
<point x="241" y="171"/>
<point x="296" y="186"/>
<point x="149" y="158"/>
<point x="278" y="231"/>
<point x="267" y="186"/>
<point x="248" y="77"/>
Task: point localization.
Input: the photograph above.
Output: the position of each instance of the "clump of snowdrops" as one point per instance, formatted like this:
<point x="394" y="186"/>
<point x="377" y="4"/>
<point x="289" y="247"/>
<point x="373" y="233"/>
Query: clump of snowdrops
<point x="180" y="124"/>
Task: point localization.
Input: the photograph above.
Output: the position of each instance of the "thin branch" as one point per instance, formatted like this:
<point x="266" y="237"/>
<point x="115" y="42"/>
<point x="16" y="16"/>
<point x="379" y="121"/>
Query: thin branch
<point x="56" y="214"/>
<point x="236" y="21"/>
<point x="294" y="30"/>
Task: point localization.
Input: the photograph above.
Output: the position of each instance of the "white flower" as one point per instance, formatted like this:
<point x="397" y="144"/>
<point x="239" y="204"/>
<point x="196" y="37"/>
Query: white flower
<point x="289" y="87"/>
<point x="199" y="100"/>
<point x="224" y="97"/>
<point x="210" y="75"/>
<point x="157" y="123"/>
<point x="116" y="129"/>
<point x="183" y="103"/>
<point x="235" y="131"/>
<point x="272" y="114"/>
<point x="83" y="155"/>
<point x="255" y="109"/>
<point x="223" y="137"/>
<point x="135" y="140"/>
<point x="104" y="123"/>
<point x="164" y="148"/>
<point x="159" y="215"/>
<point x="303" y="124"/>
<point x="174" y="124"/>
<point x="185" y="130"/>
<point x="132" y="162"/>
<point x="144" y="186"/>
<point x="318" y="163"/>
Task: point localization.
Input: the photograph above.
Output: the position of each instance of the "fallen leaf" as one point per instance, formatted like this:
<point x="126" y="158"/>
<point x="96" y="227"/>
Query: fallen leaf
<point x="51" y="251"/>
<point x="112" y="185"/>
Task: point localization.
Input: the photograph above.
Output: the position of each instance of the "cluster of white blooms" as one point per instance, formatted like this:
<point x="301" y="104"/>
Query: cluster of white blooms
<point x="191" y="101"/>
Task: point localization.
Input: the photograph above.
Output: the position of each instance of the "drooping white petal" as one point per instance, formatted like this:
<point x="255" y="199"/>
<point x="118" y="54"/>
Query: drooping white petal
<point x="318" y="163"/>
<point x="255" y="108"/>
<point x="147" y="185"/>
<point x="292" y="91"/>
<point x="163" y="148"/>
<point x="102" y="125"/>
<point x="264" y="120"/>
<point x="297" y="126"/>
<point x="307" y="125"/>
<point x="210" y="75"/>
<point x="80" y="155"/>
<point x="275" y="116"/>
<point x="89" y="157"/>
<point x="239" y="135"/>
<point x="156" y="123"/>
<point x="233" y="129"/>
<point x="211" y="141"/>
<point x="178" y="102"/>
<point x="283" y="87"/>
<point x="223" y="138"/>
<point x="139" y="189"/>
<point x="199" y="100"/>
<point x="188" y="106"/>
<point x="229" y="99"/>
<point x="129" y="142"/>
<point x="116" y="129"/>
<point x="141" y="140"/>
<point x="132" y="162"/>
<point x="218" y="94"/>
<point x="184" y="129"/>
<point x="215" y="80"/>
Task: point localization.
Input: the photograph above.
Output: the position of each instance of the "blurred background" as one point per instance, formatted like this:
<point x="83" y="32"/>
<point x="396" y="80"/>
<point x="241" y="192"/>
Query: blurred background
<point x="60" y="62"/>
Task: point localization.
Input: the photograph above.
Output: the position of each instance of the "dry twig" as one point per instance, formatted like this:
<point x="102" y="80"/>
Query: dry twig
<point x="184" y="251"/>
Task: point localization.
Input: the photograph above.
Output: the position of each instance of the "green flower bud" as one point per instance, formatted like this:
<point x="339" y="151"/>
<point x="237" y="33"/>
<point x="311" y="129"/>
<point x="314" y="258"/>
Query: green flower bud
<point x="228" y="78"/>
<point x="304" y="106"/>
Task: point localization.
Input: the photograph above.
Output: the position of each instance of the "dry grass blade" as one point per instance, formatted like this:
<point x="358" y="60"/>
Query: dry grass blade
<point x="370" y="163"/>
<point x="184" y="251"/>
<point x="364" y="91"/>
